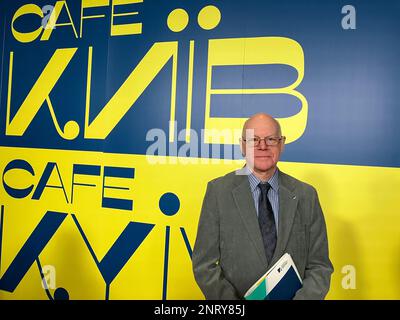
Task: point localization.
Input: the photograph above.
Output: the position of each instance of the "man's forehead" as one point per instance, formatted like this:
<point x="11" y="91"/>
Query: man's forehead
<point x="261" y="125"/>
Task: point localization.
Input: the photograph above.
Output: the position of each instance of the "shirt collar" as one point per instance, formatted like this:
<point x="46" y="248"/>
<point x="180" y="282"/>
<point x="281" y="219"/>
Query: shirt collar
<point x="273" y="181"/>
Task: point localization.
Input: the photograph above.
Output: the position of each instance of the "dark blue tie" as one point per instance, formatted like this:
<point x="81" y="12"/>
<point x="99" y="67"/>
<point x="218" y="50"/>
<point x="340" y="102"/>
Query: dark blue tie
<point x="266" y="221"/>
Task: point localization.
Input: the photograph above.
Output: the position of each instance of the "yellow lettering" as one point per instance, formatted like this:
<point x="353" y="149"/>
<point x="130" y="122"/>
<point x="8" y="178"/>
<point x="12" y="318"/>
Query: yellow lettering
<point x="38" y="95"/>
<point x="134" y="85"/>
<point x="92" y="4"/>
<point x="253" y="51"/>
<point x="26" y="36"/>
<point x="124" y="29"/>
<point x="53" y="18"/>
<point x="190" y="91"/>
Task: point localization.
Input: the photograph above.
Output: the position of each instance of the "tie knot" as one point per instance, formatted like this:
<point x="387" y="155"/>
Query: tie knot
<point x="264" y="187"/>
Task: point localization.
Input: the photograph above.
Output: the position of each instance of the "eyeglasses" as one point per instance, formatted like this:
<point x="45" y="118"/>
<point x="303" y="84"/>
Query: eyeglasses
<point x="269" y="141"/>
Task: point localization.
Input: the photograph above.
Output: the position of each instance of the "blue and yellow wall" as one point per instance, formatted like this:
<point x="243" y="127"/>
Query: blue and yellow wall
<point x="115" y="114"/>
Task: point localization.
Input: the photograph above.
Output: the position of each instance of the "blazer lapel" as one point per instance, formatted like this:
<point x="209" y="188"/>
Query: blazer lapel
<point x="245" y="203"/>
<point x="287" y="209"/>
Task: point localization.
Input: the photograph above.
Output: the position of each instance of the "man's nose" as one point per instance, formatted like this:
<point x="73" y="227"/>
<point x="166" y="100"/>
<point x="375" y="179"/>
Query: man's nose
<point x="263" y="145"/>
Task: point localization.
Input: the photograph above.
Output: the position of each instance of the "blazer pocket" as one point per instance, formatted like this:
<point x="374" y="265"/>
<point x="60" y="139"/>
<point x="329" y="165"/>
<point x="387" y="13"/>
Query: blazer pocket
<point x="297" y="241"/>
<point x="297" y="248"/>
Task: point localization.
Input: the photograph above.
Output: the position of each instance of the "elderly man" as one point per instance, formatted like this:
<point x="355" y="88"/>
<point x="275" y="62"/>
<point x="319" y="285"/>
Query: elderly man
<point x="248" y="221"/>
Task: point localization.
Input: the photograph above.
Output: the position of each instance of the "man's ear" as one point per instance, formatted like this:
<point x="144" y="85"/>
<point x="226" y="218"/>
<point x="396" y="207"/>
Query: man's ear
<point x="242" y="147"/>
<point x="282" y="146"/>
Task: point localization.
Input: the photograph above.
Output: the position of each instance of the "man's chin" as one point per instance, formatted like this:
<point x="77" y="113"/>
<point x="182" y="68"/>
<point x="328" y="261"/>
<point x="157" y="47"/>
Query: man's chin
<point x="263" y="168"/>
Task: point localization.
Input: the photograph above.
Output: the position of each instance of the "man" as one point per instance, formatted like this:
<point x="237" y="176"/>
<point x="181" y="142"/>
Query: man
<point x="248" y="221"/>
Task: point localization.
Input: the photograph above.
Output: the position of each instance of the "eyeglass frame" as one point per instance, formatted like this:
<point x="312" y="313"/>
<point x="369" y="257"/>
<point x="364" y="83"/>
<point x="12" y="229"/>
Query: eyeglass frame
<point x="256" y="144"/>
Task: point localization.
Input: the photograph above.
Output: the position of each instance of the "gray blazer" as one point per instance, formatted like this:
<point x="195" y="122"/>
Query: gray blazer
<point x="228" y="255"/>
